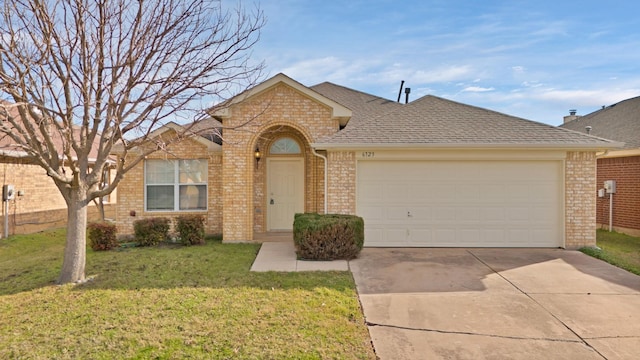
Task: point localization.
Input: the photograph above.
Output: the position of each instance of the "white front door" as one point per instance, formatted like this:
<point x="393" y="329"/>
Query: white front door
<point x="285" y="191"/>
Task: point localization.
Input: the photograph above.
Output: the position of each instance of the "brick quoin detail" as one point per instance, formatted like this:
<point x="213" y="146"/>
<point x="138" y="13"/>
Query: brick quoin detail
<point x="626" y="201"/>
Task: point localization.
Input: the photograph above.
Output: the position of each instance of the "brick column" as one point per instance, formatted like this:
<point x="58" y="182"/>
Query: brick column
<point x="341" y="182"/>
<point x="580" y="200"/>
<point x="237" y="187"/>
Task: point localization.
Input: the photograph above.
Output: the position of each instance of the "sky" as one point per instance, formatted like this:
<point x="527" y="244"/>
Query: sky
<point x="531" y="59"/>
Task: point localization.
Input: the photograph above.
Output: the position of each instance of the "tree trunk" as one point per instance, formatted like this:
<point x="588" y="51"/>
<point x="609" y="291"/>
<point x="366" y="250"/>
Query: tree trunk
<point x="75" y="250"/>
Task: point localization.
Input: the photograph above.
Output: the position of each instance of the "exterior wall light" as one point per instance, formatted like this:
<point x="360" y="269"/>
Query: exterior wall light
<point x="257" y="155"/>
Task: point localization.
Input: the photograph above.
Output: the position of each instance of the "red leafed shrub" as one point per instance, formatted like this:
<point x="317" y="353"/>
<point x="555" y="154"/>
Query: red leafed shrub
<point x="102" y="236"/>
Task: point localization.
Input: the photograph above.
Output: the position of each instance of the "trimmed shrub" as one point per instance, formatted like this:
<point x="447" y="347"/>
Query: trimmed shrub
<point x="190" y="229"/>
<point x="152" y="231"/>
<point x="328" y="237"/>
<point x="102" y="236"/>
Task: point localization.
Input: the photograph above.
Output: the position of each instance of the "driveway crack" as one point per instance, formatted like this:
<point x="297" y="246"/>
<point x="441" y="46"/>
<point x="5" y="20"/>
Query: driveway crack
<point x="370" y="324"/>
<point x="582" y="340"/>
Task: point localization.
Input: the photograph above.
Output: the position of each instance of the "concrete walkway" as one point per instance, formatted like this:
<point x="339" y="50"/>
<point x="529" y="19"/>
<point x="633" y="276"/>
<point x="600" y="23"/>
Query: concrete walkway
<point x="281" y="256"/>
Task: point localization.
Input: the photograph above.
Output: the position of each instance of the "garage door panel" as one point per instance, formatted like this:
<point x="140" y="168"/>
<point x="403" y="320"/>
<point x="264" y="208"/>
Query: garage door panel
<point x="492" y="193"/>
<point x="444" y="214"/>
<point x="493" y="214"/>
<point x="461" y="203"/>
<point x="371" y="191"/>
<point x="421" y="214"/>
<point x="444" y="236"/>
<point x="518" y="215"/>
<point x="373" y="214"/>
<point x="468" y="214"/>
<point x="467" y="193"/>
<point x="395" y="193"/>
<point x="421" y="236"/>
<point x="397" y="213"/>
<point x="495" y="236"/>
<point x="518" y="193"/>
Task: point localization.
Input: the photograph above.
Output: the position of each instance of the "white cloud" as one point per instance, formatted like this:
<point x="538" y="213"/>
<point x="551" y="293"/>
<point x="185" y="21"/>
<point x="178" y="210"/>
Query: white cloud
<point x="477" y="89"/>
<point x="415" y="75"/>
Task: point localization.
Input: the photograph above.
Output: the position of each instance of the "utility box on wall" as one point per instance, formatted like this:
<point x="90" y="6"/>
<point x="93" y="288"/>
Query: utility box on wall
<point x="610" y="186"/>
<point x="8" y="192"/>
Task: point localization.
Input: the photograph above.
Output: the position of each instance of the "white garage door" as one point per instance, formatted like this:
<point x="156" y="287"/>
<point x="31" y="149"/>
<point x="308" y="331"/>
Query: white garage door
<point x="461" y="203"/>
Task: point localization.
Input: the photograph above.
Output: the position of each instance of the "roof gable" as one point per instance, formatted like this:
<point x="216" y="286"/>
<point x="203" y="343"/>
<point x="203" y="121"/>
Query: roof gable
<point x="179" y="129"/>
<point x="619" y="122"/>
<point x="339" y="111"/>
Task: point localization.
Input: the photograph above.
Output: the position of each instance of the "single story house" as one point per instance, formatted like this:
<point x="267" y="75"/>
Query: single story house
<point x="429" y="173"/>
<point x="620" y="122"/>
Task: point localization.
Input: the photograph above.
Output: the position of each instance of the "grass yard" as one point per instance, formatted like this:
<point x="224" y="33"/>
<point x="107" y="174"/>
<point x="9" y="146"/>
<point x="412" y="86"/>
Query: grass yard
<point x="172" y="302"/>
<point x="617" y="249"/>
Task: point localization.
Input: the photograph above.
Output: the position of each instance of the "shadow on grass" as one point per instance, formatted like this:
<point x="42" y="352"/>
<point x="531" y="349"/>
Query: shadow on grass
<point x="213" y="265"/>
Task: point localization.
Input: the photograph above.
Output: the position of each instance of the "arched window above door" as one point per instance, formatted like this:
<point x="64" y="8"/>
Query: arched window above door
<point x="285" y="146"/>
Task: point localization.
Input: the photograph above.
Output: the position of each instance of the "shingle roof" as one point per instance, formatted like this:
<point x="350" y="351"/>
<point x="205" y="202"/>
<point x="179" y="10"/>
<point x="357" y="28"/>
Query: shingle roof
<point x="619" y="122"/>
<point x="434" y="121"/>
<point x="8" y="147"/>
<point x="363" y="106"/>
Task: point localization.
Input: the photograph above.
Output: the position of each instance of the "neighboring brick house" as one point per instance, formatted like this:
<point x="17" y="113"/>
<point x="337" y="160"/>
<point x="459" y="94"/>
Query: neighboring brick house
<point x="38" y="205"/>
<point x="619" y="122"/>
<point x="432" y="172"/>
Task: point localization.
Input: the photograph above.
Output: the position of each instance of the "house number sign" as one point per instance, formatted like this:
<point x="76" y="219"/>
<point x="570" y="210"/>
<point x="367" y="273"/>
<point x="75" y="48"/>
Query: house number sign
<point x="368" y="154"/>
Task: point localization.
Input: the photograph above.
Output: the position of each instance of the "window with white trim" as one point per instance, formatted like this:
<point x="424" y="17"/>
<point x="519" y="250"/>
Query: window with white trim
<point x="175" y="185"/>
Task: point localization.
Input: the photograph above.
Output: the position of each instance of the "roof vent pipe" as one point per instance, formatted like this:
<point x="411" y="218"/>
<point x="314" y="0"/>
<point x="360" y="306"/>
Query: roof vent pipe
<point x="400" y="92"/>
<point x="588" y="128"/>
<point x="407" y="91"/>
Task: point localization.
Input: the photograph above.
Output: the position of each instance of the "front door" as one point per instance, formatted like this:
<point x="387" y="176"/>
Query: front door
<point x="285" y="191"/>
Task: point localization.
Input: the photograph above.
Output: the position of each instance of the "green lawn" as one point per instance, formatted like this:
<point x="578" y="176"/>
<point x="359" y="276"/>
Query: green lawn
<point x="618" y="249"/>
<point x="168" y="302"/>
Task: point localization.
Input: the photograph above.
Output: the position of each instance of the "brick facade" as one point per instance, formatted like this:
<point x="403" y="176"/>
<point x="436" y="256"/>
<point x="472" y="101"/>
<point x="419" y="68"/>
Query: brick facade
<point x="41" y="206"/>
<point x="277" y="112"/>
<point x="238" y="183"/>
<point x="130" y="204"/>
<point x="626" y="201"/>
<point x="342" y="182"/>
<point x="580" y="200"/>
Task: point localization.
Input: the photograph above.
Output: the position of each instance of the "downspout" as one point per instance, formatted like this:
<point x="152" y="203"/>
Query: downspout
<point x="610" y="195"/>
<point x="325" y="176"/>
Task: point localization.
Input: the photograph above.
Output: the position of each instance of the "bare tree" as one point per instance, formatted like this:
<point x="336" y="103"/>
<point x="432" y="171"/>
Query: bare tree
<point x="78" y="77"/>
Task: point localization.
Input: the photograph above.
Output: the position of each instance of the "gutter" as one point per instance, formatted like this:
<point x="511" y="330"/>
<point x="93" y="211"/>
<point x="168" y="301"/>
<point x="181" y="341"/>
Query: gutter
<point x="620" y="153"/>
<point x="469" y="146"/>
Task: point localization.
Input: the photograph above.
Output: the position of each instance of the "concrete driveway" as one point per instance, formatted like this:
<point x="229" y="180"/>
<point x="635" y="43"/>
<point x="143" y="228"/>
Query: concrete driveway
<point x="497" y="304"/>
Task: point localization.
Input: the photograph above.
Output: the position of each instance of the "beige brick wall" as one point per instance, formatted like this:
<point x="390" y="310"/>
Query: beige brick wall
<point x="580" y="199"/>
<point x="131" y="189"/>
<point x="41" y="207"/>
<point x="341" y="182"/>
<point x="277" y="112"/>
